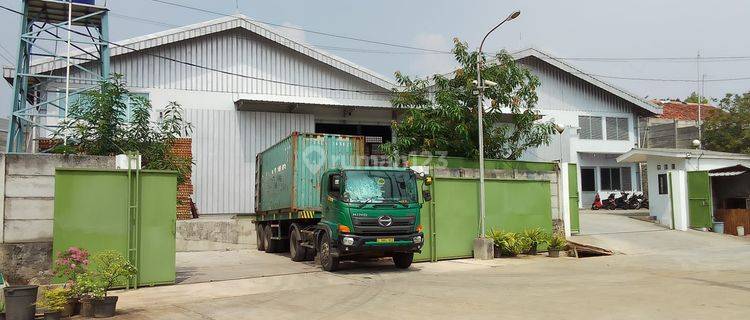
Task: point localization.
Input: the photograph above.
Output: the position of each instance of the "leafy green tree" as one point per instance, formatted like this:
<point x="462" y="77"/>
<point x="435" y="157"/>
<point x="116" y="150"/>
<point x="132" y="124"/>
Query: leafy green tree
<point x="98" y="124"/>
<point x="694" y="98"/>
<point x="441" y="112"/>
<point x="729" y="131"/>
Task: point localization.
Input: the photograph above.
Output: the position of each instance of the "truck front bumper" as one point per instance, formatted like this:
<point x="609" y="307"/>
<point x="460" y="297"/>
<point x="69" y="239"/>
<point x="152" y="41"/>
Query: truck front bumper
<point x="390" y="243"/>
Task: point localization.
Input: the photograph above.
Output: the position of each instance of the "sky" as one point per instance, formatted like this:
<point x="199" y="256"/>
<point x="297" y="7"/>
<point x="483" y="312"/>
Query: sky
<point x="620" y="32"/>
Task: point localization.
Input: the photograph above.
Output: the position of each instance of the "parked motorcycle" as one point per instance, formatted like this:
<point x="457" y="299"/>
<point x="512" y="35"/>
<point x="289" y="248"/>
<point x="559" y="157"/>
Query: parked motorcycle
<point x="635" y="202"/>
<point x="609" y="203"/>
<point x="597" y="202"/>
<point x="622" y="201"/>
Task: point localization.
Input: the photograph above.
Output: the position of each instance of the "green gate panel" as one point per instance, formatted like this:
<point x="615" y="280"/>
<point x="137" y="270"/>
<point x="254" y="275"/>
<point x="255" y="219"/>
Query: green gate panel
<point x="156" y="253"/>
<point x="515" y="205"/>
<point x="575" y="225"/>
<point x="456" y="221"/>
<point x="699" y="199"/>
<point x="91" y="212"/>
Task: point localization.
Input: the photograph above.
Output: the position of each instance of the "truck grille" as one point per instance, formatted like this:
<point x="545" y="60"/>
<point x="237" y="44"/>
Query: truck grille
<point x="367" y="225"/>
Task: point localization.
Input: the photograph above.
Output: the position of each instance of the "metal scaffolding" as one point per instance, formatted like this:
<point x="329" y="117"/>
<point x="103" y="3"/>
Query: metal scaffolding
<point x="46" y="24"/>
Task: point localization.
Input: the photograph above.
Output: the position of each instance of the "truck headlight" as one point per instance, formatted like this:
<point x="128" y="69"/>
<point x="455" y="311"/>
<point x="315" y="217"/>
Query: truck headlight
<point x="418" y="239"/>
<point x="347" y="241"/>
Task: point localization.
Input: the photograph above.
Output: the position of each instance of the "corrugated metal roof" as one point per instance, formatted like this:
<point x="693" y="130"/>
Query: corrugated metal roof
<point x="628" y="96"/>
<point x="212" y="27"/>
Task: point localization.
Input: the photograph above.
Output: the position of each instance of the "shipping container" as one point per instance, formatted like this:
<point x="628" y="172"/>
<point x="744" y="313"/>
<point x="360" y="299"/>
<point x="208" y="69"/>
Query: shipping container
<point x="288" y="174"/>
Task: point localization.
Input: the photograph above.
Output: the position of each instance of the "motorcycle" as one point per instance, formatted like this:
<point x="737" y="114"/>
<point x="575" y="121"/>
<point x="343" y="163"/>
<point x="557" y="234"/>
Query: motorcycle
<point x="609" y="203"/>
<point x="622" y="201"/>
<point x="597" y="202"/>
<point x="635" y="202"/>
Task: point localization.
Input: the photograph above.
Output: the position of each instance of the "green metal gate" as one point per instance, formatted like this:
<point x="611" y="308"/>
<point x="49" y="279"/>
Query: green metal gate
<point x="575" y="226"/>
<point x="451" y="219"/>
<point x="132" y="212"/>
<point x="699" y="199"/>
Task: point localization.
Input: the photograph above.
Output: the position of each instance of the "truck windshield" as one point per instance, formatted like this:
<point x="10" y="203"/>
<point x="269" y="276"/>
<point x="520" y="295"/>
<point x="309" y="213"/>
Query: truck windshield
<point x="376" y="186"/>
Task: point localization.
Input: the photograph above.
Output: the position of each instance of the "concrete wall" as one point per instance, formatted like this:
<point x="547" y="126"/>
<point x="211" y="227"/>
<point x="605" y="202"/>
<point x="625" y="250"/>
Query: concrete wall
<point x="27" y="193"/>
<point x="27" y="186"/>
<point x="215" y="232"/>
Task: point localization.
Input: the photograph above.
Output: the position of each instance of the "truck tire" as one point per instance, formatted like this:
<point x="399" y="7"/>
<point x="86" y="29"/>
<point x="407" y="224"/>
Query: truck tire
<point x="296" y="251"/>
<point x="260" y="236"/>
<point x="272" y="246"/>
<point x="327" y="261"/>
<point x="403" y="260"/>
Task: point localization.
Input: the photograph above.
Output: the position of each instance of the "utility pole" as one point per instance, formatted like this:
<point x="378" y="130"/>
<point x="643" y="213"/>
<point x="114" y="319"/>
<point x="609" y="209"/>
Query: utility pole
<point x="700" y="101"/>
<point x="483" y="249"/>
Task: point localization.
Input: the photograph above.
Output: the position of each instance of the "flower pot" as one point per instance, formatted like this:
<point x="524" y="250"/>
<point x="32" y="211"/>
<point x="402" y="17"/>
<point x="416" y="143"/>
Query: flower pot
<point x="533" y="250"/>
<point x="52" y="315"/>
<point x="20" y="302"/>
<point x="2" y="315"/>
<point x="87" y="308"/>
<point x="105" y="308"/>
<point x="554" y="253"/>
<point x="497" y="252"/>
<point x="70" y="308"/>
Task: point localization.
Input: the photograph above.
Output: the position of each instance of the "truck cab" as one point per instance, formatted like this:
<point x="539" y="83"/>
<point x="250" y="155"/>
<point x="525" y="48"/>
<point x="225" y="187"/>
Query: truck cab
<point x="368" y="212"/>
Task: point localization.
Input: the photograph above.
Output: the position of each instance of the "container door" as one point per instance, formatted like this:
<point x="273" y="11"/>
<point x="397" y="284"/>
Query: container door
<point x="699" y="199"/>
<point x="573" y="197"/>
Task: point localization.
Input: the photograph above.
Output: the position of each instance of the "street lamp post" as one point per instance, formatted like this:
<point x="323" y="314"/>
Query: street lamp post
<point x="480" y="111"/>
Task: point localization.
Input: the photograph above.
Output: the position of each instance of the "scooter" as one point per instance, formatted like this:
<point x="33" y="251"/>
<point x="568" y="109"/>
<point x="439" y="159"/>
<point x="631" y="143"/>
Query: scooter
<point x="597" y="202"/>
<point x="609" y="203"/>
<point x="635" y="202"/>
<point x="622" y="201"/>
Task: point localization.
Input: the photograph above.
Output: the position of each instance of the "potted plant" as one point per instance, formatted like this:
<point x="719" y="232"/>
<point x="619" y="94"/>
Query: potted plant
<point x="53" y="302"/>
<point x="497" y="237"/>
<point x="68" y="265"/>
<point x="556" y="244"/>
<point x="508" y="243"/>
<point x="535" y="237"/>
<point x="110" y="269"/>
<point x="2" y="310"/>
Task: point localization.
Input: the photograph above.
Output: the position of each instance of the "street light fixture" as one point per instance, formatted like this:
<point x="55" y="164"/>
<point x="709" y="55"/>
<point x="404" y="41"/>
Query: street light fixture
<point x="480" y="110"/>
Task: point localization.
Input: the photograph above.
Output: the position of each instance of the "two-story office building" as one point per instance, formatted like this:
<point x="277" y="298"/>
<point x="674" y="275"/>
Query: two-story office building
<point x="599" y="120"/>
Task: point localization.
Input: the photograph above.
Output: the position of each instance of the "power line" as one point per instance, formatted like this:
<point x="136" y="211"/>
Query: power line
<point x="303" y="29"/>
<point x="218" y="70"/>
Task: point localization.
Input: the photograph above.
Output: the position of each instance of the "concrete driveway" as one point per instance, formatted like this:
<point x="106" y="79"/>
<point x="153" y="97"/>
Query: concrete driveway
<point x="659" y="274"/>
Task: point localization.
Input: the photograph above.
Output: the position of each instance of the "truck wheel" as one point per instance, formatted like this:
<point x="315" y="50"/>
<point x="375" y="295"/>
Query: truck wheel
<point x="327" y="261"/>
<point x="260" y="236"/>
<point x="403" y="260"/>
<point x="271" y="245"/>
<point x="296" y="250"/>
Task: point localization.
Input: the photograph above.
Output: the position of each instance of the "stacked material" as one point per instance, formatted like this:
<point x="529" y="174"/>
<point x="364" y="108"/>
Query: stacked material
<point x="182" y="148"/>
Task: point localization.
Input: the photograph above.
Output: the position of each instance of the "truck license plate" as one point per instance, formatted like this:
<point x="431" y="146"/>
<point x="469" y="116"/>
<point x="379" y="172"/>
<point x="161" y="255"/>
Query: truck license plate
<point x="385" y="240"/>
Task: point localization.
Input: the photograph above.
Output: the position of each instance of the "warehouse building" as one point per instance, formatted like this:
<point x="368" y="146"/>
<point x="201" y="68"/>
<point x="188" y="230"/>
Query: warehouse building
<point x="244" y="87"/>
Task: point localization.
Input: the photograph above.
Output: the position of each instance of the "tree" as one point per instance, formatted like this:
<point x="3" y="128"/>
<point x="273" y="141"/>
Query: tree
<point x="98" y="124"/>
<point x="441" y="112"/>
<point x="729" y="130"/>
<point x="694" y="98"/>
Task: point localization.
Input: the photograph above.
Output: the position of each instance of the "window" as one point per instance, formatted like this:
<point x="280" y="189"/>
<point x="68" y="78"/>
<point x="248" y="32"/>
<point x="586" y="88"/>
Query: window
<point x="588" y="181"/>
<point x="130" y="104"/>
<point x="663" y="186"/>
<point x="617" y="128"/>
<point x="616" y="179"/>
<point x="590" y="127"/>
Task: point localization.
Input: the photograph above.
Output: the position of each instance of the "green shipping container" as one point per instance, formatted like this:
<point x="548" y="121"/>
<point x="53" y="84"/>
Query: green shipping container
<point x="287" y="175"/>
<point x="131" y="213"/>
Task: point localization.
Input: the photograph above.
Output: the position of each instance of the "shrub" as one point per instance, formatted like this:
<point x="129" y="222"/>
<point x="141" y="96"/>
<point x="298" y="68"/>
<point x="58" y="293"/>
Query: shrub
<point x="536" y="237"/>
<point x="55" y="299"/>
<point x="510" y="243"/>
<point x="558" y="242"/>
<point x="88" y="285"/>
<point x="70" y="263"/>
<point x="112" y="268"/>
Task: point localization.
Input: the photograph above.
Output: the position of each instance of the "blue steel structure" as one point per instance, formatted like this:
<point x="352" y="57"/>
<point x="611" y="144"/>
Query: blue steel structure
<point x="45" y="26"/>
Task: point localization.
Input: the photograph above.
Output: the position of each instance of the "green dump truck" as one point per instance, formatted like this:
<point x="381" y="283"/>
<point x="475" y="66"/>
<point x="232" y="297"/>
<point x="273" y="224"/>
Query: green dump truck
<point x="314" y="197"/>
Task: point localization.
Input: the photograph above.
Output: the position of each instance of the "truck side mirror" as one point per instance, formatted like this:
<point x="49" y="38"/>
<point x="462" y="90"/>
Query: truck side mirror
<point x="428" y="180"/>
<point x="426" y="196"/>
<point x="336" y="183"/>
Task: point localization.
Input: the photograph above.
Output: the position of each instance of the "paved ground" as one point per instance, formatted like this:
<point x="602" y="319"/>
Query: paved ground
<point x="658" y="274"/>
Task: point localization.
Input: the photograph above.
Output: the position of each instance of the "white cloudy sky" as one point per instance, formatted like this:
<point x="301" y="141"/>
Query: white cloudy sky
<point x="570" y="29"/>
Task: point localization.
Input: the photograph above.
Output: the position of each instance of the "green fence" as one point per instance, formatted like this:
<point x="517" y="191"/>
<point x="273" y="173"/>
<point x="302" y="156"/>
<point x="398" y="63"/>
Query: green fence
<point x="451" y="219"/>
<point x="130" y="212"/>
